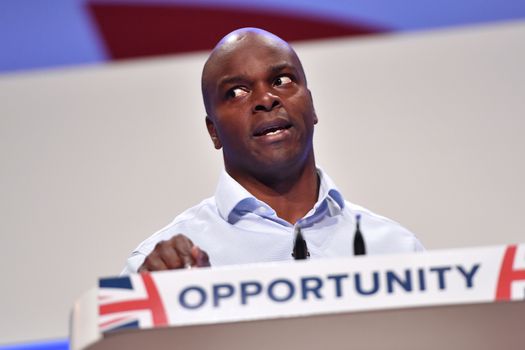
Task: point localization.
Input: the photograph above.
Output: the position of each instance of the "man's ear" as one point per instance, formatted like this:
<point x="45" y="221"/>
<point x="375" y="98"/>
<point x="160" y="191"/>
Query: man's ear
<point x="213" y="133"/>
<point x="313" y="109"/>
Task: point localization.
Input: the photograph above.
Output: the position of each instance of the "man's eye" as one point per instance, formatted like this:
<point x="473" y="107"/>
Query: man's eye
<point x="282" y="80"/>
<point x="237" y="92"/>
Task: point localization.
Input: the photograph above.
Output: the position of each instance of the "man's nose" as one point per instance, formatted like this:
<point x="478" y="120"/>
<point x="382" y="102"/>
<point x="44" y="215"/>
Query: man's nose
<point x="265" y="101"/>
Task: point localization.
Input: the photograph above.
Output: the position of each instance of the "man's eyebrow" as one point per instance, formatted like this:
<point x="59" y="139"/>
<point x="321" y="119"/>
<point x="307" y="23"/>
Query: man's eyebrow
<point x="231" y="79"/>
<point x="236" y="79"/>
<point x="280" y="67"/>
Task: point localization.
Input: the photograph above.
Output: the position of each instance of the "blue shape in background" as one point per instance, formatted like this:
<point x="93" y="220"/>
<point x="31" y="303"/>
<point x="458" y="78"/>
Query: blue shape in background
<point x="46" y="33"/>
<point x="398" y="15"/>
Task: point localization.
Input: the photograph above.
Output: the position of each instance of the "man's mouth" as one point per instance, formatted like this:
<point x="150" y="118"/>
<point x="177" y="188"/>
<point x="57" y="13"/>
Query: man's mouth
<point x="272" y="129"/>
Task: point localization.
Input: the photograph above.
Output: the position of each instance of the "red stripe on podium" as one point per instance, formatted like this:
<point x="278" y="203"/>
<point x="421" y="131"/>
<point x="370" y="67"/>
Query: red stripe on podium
<point x="508" y="275"/>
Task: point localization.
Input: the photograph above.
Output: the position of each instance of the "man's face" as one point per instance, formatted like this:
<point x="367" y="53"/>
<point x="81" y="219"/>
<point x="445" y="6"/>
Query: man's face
<point x="260" y="109"/>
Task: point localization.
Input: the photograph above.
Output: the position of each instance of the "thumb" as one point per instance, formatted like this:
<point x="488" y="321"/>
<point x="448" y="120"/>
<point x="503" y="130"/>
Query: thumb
<point x="200" y="256"/>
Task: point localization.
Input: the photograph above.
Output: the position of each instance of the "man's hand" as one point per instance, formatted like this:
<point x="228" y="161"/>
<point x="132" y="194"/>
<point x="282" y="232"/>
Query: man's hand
<point x="177" y="253"/>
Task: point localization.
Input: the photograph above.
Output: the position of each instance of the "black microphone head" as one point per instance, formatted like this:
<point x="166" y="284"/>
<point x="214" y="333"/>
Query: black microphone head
<point x="359" y="242"/>
<point x="300" y="249"/>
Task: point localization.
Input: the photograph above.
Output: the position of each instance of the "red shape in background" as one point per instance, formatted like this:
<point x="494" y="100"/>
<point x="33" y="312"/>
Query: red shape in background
<point x="141" y="30"/>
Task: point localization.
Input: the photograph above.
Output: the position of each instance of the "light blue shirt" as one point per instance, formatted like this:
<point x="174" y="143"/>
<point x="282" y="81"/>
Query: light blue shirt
<point x="234" y="227"/>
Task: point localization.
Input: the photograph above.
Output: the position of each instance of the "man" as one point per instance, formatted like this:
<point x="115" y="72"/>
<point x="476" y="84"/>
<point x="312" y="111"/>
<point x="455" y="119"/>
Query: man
<point x="260" y="113"/>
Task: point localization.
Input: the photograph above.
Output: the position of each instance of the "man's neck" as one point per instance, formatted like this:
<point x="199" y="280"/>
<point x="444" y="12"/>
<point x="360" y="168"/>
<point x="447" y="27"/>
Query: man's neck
<point x="291" y="196"/>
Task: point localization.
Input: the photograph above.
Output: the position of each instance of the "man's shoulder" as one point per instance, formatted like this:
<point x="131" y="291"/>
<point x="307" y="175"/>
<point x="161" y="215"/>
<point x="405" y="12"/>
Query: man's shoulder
<point x="186" y="222"/>
<point x="369" y="215"/>
<point x="206" y="205"/>
<point x="388" y="235"/>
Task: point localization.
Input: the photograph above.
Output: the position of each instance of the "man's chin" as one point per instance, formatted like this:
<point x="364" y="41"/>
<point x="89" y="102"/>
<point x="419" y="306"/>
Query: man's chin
<point x="272" y="162"/>
<point x="280" y="164"/>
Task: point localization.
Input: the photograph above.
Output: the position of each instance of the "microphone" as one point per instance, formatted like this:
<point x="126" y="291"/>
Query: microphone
<point x="300" y="249"/>
<point x="359" y="242"/>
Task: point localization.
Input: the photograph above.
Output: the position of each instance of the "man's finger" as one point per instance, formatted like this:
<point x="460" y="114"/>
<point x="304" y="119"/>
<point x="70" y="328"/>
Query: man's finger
<point x="169" y="256"/>
<point x="183" y="245"/>
<point x="153" y="262"/>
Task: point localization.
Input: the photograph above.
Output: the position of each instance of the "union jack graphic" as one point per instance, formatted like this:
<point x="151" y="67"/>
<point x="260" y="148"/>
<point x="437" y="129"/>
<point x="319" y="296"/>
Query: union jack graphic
<point x="130" y="302"/>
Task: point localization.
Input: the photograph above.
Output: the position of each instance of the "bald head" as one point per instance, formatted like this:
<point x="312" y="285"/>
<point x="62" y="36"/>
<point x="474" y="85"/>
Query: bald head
<point x="240" y="42"/>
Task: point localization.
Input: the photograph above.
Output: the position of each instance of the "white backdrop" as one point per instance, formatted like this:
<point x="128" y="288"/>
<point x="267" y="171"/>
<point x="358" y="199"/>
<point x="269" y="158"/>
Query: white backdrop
<point x="424" y="128"/>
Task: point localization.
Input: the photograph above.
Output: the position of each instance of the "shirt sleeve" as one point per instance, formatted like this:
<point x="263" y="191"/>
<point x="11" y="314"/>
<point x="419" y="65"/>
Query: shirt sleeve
<point x="418" y="247"/>
<point x="132" y="265"/>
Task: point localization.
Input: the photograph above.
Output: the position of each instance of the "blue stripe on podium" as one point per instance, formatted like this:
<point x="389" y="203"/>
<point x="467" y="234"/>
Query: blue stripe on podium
<point x="62" y="344"/>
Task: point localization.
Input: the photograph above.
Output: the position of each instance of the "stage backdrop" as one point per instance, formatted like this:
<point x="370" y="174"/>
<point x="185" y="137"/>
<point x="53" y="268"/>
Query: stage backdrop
<point x="424" y="128"/>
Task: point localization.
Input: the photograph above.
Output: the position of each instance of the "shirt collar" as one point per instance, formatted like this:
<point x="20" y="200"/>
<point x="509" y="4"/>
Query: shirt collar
<point x="229" y="194"/>
<point x="234" y="201"/>
<point x="328" y="190"/>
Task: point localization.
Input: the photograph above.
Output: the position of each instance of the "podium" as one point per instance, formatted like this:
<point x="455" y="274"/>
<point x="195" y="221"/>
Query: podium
<point x="452" y="299"/>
